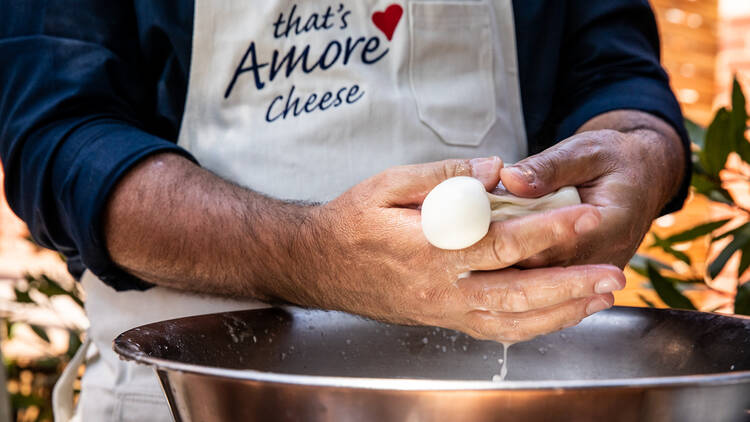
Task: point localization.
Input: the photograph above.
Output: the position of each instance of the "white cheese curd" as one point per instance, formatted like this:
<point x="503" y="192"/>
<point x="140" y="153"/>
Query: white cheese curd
<point x="456" y="213"/>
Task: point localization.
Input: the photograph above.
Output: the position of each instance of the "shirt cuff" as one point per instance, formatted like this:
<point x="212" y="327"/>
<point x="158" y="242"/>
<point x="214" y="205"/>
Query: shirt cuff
<point x="85" y="174"/>
<point x="643" y="94"/>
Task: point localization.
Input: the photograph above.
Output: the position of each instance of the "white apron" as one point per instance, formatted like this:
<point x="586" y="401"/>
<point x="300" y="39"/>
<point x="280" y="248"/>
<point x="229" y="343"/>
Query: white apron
<point x="302" y="100"/>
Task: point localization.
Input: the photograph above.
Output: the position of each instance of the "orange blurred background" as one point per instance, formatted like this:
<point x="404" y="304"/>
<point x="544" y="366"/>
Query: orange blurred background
<point x="705" y="43"/>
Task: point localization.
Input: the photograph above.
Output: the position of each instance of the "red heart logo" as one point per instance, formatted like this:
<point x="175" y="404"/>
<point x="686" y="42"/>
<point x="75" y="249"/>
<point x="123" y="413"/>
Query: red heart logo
<point x="388" y="21"/>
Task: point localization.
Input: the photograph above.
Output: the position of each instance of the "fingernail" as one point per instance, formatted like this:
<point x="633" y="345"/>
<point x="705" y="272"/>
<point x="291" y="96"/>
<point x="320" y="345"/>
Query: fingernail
<point x="523" y="173"/>
<point x="607" y="286"/>
<point x="597" y="305"/>
<point x="485" y="167"/>
<point x="586" y="223"/>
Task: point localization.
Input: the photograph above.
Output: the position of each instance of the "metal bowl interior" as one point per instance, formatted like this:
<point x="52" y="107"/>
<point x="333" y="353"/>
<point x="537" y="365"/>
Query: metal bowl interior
<point x="618" y="347"/>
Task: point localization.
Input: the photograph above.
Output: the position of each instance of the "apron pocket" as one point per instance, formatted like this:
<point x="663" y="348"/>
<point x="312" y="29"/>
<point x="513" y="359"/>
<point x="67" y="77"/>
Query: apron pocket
<point x="451" y="69"/>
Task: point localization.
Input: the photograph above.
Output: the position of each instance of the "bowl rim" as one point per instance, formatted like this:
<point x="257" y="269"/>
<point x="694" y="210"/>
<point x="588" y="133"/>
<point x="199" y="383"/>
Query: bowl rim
<point x="416" y="385"/>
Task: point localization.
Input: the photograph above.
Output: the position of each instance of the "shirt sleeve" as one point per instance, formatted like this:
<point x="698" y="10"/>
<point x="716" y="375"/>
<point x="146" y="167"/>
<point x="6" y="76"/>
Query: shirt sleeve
<point x="611" y="61"/>
<point x="74" y="117"/>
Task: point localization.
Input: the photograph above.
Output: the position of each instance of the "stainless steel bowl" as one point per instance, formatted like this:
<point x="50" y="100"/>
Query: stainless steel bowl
<point x="624" y="364"/>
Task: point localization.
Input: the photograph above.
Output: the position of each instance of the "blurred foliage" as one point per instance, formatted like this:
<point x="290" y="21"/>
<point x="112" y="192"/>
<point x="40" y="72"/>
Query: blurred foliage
<point x="30" y="382"/>
<point x="710" y="150"/>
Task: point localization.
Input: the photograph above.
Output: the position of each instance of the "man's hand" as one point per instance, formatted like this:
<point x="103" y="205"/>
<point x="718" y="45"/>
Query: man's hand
<point x="176" y="225"/>
<point x="629" y="173"/>
<point x="376" y="261"/>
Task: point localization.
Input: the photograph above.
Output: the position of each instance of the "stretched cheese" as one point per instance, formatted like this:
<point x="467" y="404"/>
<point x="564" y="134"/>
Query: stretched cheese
<point x="505" y="205"/>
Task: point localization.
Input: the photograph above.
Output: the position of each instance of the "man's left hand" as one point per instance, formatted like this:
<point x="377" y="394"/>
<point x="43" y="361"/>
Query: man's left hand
<point x="626" y="163"/>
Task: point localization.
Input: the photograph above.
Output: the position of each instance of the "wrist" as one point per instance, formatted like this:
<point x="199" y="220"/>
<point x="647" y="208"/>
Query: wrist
<point x="662" y="158"/>
<point x="283" y="257"/>
<point x="652" y="151"/>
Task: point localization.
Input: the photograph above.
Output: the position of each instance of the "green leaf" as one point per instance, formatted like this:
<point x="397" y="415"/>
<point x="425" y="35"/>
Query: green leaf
<point x="745" y="228"/>
<point x="740" y="242"/>
<point x="719" y="143"/>
<point x="711" y="188"/>
<point x="50" y="287"/>
<point x="23" y="297"/>
<point x="695" y="232"/>
<point x="74" y="342"/>
<point x="738" y="122"/>
<point x="666" y="247"/>
<point x="53" y="288"/>
<point x="20" y="401"/>
<point x="744" y="261"/>
<point x="715" y="267"/>
<point x="688" y="280"/>
<point x="639" y="262"/>
<point x="648" y="303"/>
<point x="697" y="166"/>
<point x="40" y="331"/>
<point x="667" y="291"/>
<point x="696" y="133"/>
<point x="742" y="300"/>
<point x="682" y="256"/>
<point x="9" y="328"/>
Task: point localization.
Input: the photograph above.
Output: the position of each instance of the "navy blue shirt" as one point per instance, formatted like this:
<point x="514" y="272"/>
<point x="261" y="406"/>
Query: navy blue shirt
<point x="88" y="88"/>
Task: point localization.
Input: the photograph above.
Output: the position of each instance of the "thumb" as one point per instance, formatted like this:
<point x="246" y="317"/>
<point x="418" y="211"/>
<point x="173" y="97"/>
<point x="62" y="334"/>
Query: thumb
<point x="552" y="169"/>
<point x="409" y="185"/>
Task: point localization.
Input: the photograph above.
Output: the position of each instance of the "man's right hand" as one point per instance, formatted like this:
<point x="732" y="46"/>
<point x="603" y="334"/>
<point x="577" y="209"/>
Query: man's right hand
<point x="176" y="225"/>
<point x="375" y="261"/>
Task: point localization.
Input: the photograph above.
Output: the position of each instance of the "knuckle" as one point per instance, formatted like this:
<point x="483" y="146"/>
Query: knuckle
<point x="500" y="251"/>
<point x="560" y="231"/>
<point x="479" y="299"/>
<point x="515" y="299"/>
<point x="516" y="249"/>
<point x="575" y="285"/>
<point x="512" y="245"/>
<point x="550" y="164"/>
<point x="433" y="296"/>
<point x="547" y="166"/>
<point x="385" y="178"/>
<point x="588" y="276"/>
<point x="454" y="168"/>
<point x="600" y="146"/>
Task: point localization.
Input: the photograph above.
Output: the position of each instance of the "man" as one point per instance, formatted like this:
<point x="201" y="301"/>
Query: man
<point x="280" y="156"/>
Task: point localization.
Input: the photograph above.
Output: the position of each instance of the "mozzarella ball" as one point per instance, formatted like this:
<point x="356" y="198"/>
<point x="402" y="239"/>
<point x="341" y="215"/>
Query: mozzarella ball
<point x="456" y="213"/>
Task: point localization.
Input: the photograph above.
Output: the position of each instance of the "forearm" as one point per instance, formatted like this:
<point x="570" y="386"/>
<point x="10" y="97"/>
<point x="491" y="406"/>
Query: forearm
<point x="174" y="224"/>
<point x="659" y="150"/>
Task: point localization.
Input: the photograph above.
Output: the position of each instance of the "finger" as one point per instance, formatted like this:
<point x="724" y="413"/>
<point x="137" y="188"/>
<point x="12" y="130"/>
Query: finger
<point x="487" y="171"/>
<point x="511" y="241"/>
<point x="565" y="254"/>
<point x="580" y="159"/>
<point x="515" y="290"/>
<point x="514" y="327"/>
<point x="587" y="249"/>
<point x="409" y="185"/>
